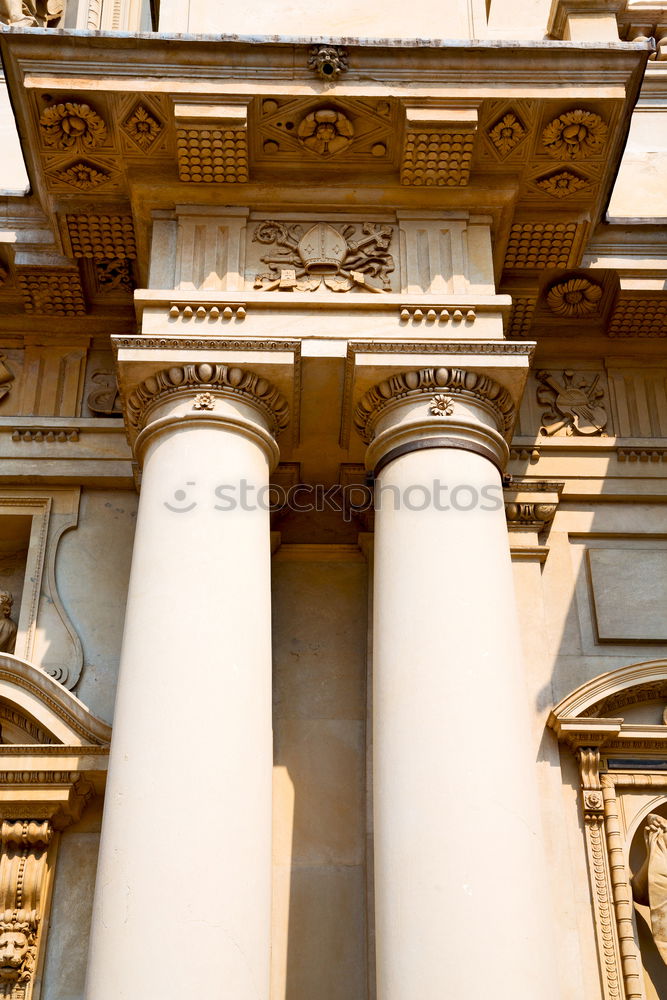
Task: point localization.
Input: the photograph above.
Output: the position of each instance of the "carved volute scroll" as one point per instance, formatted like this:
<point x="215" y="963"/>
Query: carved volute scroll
<point x="24" y="872"/>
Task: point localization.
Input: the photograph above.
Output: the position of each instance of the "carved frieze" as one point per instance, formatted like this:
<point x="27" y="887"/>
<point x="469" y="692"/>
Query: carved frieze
<point x="70" y="125"/>
<point x="575" y="403"/>
<point x="307" y="258"/>
<point x="577" y="134"/>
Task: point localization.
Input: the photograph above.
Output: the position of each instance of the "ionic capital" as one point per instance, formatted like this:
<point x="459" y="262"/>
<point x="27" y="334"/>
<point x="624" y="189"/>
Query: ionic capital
<point x="209" y="381"/>
<point x="456" y="382"/>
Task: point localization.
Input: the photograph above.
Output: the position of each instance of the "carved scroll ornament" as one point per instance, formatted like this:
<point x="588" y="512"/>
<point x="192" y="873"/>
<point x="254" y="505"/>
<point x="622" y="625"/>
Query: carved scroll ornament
<point x="649" y="885"/>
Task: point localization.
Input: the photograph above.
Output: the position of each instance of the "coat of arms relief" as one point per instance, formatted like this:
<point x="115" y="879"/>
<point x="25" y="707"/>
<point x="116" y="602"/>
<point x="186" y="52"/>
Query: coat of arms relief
<point x="305" y="258"/>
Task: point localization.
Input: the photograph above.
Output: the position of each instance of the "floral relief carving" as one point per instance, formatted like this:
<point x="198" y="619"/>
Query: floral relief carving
<point x="204" y="401"/>
<point x="507" y="133"/>
<point x="574" y="298"/>
<point x="441" y="406"/>
<point x="325" y="131"/>
<point x="562" y="184"/>
<point x="575" y="403"/>
<point x="142" y="127"/>
<point x="575" y="135"/>
<point x="324" y="255"/>
<point x="83" y="176"/>
<point x="72" y="126"/>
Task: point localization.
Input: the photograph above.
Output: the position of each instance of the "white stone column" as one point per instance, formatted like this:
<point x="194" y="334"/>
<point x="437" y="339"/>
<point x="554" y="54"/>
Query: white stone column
<point x="183" y="896"/>
<point x="460" y="886"/>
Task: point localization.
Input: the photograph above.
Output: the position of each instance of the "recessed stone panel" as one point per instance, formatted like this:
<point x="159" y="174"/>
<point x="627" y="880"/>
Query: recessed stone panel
<point x="629" y="588"/>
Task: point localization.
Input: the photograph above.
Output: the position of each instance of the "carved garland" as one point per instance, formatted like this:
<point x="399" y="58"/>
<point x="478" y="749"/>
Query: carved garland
<point x="202" y="377"/>
<point x="425" y="380"/>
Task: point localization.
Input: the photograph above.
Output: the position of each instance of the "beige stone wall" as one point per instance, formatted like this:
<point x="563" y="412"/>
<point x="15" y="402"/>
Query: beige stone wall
<point x="320" y="902"/>
<point x="93" y="572"/>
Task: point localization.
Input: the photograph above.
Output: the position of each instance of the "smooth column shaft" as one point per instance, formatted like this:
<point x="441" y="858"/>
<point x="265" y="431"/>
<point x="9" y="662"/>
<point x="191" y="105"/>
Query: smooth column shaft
<point x="182" y="905"/>
<point x="461" y="910"/>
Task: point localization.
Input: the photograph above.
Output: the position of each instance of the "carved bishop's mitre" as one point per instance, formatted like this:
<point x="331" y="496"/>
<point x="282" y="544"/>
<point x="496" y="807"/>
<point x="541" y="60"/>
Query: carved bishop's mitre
<point x="322" y="249"/>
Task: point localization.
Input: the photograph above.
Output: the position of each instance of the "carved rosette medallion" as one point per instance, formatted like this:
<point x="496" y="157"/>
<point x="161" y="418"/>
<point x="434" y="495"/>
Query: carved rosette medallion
<point x="142" y="127"/>
<point x="83" y="176"/>
<point x="325" y="132"/>
<point x="441" y="405"/>
<point x="574" y="298"/>
<point x="575" y="135"/>
<point x="456" y="381"/>
<point x="72" y="126"/>
<point x="208" y="380"/>
<point x="204" y="401"/>
<point x="323" y="255"/>
<point x="575" y="403"/>
<point x="506" y="134"/>
<point x="562" y="184"/>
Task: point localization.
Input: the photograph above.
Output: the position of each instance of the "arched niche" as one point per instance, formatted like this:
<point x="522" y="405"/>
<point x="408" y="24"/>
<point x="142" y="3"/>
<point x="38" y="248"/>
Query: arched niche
<point x="615" y="724"/>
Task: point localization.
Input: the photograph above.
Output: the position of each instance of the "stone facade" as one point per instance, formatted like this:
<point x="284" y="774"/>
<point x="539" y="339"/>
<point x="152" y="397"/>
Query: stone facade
<point x="333" y="481"/>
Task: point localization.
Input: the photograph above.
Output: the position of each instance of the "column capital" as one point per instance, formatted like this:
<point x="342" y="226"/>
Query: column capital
<point x="435" y="407"/>
<point x="198" y="392"/>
